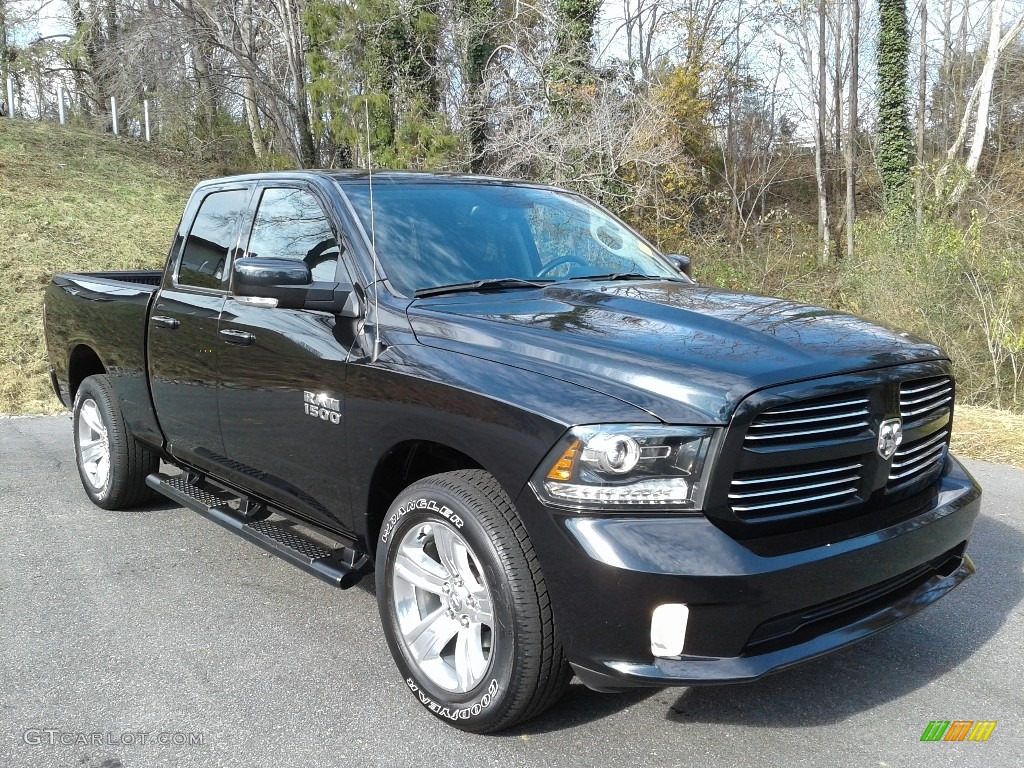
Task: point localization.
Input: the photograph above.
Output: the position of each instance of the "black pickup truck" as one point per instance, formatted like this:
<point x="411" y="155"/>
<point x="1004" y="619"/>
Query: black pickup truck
<point x="557" y="453"/>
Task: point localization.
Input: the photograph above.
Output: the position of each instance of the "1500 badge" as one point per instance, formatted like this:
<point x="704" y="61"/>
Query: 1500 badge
<point x="322" y="406"/>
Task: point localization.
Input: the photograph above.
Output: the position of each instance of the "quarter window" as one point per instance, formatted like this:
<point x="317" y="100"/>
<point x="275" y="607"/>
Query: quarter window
<point x="291" y="224"/>
<point x="208" y="246"/>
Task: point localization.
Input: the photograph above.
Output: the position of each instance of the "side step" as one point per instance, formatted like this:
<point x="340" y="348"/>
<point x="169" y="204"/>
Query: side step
<point x="340" y="567"/>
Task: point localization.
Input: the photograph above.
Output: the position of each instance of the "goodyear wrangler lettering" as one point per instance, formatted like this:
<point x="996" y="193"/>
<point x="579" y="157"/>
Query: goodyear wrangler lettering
<point x="455" y="713"/>
<point x="415" y="505"/>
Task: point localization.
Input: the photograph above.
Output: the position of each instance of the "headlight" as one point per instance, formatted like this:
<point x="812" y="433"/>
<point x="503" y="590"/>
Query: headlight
<point x="628" y="466"/>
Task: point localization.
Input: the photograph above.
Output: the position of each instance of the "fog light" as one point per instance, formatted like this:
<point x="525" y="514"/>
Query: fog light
<point x="668" y="629"/>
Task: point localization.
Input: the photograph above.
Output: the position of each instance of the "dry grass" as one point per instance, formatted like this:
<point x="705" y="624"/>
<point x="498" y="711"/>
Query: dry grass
<point x="72" y="200"/>
<point x="989" y="434"/>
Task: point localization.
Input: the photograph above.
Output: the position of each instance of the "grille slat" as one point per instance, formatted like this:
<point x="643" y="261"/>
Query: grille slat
<point x="796" y="489"/>
<point x="795" y="493"/>
<point x="857" y="426"/>
<point x="921" y="399"/>
<point x="808" y="408"/>
<point x="930" y="407"/>
<point x="814" y="419"/>
<point x="913" y="387"/>
<point x="789" y="426"/>
<point x="918" y="465"/>
<point x="799" y="476"/>
<point x="919" y="446"/>
<point x="905" y="401"/>
<point x="851" y="491"/>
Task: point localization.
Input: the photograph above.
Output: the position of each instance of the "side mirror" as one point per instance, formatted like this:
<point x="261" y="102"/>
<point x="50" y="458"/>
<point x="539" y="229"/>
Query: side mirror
<point x="283" y="280"/>
<point x="288" y="284"/>
<point x="682" y="264"/>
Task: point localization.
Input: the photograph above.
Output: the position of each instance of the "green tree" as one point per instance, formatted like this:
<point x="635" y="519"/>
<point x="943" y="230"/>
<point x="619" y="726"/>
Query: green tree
<point x="895" y="147"/>
<point x="377" y="56"/>
<point x="569" y="69"/>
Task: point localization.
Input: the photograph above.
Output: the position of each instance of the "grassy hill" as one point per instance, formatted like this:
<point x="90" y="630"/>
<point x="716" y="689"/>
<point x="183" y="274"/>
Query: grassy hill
<point x="72" y="200"/>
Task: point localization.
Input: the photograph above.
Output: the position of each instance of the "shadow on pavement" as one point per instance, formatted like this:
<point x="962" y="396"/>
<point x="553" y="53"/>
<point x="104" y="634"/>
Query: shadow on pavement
<point x="159" y="504"/>
<point x="579" y="706"/>
<point x="887" y="666"/>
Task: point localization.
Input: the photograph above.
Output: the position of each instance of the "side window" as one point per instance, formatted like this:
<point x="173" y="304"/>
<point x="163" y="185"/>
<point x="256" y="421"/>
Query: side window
<point x="210" y="241"/>
<point x="291" y="224"/>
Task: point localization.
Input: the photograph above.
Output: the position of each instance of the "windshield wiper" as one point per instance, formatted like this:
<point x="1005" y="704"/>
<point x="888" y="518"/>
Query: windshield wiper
<point x="617" y="276"/>
<point x="482" y="285"/>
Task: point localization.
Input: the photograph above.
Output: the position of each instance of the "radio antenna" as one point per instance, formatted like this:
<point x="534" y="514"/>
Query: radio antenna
<point x="373" y="240"/>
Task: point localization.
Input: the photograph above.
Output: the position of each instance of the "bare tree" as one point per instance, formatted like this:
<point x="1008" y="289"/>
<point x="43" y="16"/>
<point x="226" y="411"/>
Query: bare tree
<point x="851" y="128"/>
<point x="820" y="167"/>
<point x="977" y="108"/>
<point x="922" y="105"/>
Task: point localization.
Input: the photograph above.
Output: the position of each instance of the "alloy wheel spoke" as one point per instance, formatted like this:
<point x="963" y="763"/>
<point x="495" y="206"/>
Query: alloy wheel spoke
<point x="447" y="548"/>
<point x="102" y="468"/>
<point x="414" y="566"/>
<point x="93" y="451"/>
<point x="462" y="562"/>
<point x="484" y="613"/>
<point x="428" y="638"/>
<point x="470" y="661"/>
<point x="91" y="415"/>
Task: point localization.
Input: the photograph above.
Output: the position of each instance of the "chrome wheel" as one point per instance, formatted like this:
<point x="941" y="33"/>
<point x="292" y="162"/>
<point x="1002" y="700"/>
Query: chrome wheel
<point x="93" y="445"/>
<point x="443" y="607"/>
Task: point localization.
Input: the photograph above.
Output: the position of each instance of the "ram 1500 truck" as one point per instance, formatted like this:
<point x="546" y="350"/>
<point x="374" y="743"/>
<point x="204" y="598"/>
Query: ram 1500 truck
<point x="558" y="454"/>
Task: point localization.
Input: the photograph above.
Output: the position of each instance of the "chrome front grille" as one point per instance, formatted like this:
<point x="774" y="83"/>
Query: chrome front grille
<point x="923" y="399"/>
<point x="915" y="460"/>
<point x="811" y="421"/>
<point x="922" y="403"/>
<point x="816" y="461"/>
<point x="789" y="492"/>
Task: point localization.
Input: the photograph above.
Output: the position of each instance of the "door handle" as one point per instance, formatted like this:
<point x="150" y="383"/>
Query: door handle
<point x="233" y="336"/>
<point x="165" y="322"/>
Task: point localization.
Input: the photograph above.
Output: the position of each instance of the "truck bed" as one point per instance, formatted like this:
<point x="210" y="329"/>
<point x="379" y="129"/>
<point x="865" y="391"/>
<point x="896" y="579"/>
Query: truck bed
<point x="104" y="314"/>
<point x="151" y="277"/>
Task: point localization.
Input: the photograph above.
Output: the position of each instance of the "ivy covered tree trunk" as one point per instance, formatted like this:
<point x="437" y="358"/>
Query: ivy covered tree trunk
<point x="569" y="68"/>
<point x="895" y="148"/>
<point x="480" y="15"/>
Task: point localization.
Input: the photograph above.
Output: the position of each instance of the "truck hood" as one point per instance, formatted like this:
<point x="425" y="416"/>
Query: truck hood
<point x="684" y="353"/>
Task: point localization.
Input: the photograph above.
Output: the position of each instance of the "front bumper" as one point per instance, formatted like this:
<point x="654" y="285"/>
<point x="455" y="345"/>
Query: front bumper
<point x="754" y="607"/>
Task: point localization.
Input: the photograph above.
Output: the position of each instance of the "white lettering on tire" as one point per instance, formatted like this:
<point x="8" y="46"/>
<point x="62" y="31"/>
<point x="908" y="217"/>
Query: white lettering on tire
<point x="459" y="713"/>
<point x="417" y="504"/>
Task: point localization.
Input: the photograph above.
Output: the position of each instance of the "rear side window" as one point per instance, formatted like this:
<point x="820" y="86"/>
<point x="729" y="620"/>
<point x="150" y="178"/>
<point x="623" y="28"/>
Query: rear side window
<point x="291" y="224"/>
<point x="205" y="258"/>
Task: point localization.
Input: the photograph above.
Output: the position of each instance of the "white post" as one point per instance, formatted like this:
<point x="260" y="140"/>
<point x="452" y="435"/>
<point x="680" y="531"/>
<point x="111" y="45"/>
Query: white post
<point x="145" y="113"/>
<point x="10" y="96"/>
<point x="113" y="115"/>
<point x="60" y="103"/>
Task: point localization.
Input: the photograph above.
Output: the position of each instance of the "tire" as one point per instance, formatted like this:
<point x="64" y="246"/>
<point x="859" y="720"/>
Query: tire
<point x="112" y="464"/>
<point x="481" y="666"/>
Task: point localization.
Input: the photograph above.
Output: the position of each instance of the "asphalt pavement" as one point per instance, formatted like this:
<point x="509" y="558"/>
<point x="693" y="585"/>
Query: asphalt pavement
<point x="153" y="637"/>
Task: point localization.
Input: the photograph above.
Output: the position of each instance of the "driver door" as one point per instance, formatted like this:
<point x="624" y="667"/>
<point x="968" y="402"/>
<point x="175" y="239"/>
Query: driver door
<point x="281" y="398"/>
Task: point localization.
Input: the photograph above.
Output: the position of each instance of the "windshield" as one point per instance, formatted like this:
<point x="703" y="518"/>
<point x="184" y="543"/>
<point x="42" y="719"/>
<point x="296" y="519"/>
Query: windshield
<point x="430" y="235"/>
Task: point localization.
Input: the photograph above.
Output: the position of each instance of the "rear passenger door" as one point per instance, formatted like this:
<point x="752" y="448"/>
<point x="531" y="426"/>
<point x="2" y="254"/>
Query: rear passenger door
<point x="183" y="325"/>
<point x="278" y="366"/>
